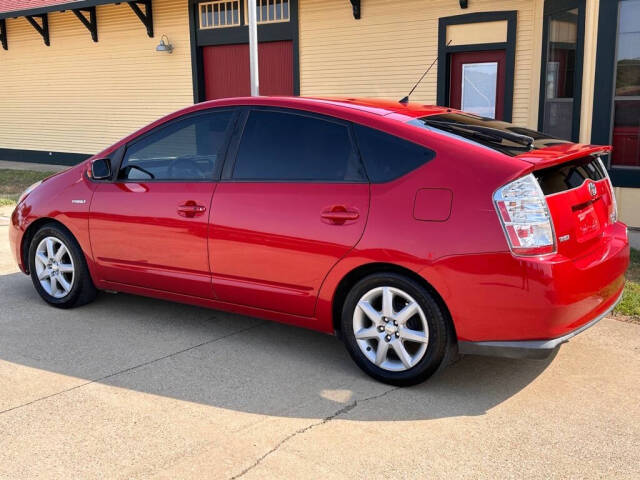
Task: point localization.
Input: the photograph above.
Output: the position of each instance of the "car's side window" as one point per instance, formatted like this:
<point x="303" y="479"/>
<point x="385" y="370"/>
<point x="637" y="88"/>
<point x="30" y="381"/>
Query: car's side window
<point x="387" y="157"/>
<point x="283" y="146"/>
<point x="187" y="149"/>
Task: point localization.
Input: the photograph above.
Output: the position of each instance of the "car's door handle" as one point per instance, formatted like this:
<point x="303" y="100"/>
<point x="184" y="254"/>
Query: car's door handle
<point x="339" y="215"/>
<point x="191" y="209"/>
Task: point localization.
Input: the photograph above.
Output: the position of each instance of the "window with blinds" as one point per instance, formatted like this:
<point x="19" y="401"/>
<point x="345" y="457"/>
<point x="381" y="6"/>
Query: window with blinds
<point x="219" y="14"/>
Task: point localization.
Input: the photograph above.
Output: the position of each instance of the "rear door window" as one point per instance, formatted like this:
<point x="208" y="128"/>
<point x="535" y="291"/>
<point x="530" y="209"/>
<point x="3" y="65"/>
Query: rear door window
<point x="287" y="146"/>
<point x="189" y="149"/>
<point x="387" y="157"/>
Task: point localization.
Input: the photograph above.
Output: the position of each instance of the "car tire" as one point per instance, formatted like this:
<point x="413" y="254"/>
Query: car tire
<point x="414" y="344"/>
<point x="58" y="268"/>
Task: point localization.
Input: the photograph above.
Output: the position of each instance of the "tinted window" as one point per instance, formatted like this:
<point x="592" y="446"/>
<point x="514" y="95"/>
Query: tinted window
<point x="569" y="175"/>
<point x="280" y="146"/>
<point x="387" y="157"/>
<point x="188" y="149"/>
<point x="495" y="134"/>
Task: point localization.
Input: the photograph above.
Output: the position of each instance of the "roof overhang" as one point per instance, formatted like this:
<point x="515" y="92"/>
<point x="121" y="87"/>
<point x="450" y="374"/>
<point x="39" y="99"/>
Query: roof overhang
<point x="85" y="10"/>
<point x="56" y="7"/>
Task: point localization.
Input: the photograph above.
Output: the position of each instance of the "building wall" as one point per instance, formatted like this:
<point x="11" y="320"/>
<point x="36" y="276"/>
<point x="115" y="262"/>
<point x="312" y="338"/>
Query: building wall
<point x="588" y="68"/>
<point x="629" y="206"/>
<point x="384" y="53"/>
<point x="78" y="96"/>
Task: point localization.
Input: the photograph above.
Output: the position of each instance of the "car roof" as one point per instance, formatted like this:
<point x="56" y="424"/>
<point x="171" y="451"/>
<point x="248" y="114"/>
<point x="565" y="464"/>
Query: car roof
<point x="386" y="115"/>
<point x="378" y="107"/>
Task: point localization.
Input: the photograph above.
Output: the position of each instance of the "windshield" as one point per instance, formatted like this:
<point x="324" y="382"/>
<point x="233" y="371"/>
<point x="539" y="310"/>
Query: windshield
<point x="495" y="134"/>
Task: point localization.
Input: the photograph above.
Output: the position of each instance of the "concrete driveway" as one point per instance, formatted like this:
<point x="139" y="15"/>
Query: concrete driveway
<point x="130" y="387"/>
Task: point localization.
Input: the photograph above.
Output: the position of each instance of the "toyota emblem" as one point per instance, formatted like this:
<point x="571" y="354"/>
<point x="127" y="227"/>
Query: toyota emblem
<point x="592" y="189"/>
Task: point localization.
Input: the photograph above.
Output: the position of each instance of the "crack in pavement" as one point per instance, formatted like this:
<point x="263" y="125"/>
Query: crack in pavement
<point x="342" y="411"/>
<point x="128" y="369"/>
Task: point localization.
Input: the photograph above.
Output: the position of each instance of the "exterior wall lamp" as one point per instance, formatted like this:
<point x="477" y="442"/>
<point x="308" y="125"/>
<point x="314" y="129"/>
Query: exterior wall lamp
<point x="164" y="46"/>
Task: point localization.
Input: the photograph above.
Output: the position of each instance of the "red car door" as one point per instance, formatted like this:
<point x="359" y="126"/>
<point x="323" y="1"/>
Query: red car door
<point x="294" y="202"/>
<point x="149" y="226"/>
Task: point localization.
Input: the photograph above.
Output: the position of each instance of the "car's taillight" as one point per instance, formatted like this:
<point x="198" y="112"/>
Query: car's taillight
<point x="524" y="214"/>
<point x="613" y="206"/>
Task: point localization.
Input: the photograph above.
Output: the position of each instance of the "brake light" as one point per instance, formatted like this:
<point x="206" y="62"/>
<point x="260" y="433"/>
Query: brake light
<point x="524" y="214"/>
<point x="613" y="206"/>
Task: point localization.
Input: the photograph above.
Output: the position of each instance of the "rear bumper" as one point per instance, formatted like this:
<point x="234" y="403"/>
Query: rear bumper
<point x="536" y="349"/>
<point x="497" y="299"/>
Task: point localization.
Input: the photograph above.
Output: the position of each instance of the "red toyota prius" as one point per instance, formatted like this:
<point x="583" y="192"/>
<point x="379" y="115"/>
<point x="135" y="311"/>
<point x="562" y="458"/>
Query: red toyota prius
<point x="413" y="232"/>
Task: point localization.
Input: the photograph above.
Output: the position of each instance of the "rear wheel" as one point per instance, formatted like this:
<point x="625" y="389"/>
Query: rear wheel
<point x="58" y="268"/>
<point x="394" y="329"/>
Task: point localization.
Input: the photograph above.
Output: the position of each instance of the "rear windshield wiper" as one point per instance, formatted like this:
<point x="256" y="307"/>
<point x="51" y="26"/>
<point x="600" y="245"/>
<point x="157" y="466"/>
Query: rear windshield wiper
<point x="488" y="133"/>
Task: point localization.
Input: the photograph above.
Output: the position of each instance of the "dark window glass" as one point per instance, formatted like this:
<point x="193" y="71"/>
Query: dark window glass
<point x="387" y="157"/>
<point x="559" y="81"/>
<point x="278" y="146"/>
<point x="495" y="134"/>
<point x="187" y="149"/>
<point x="567" y="176"/>
<point x="626" y="117"/>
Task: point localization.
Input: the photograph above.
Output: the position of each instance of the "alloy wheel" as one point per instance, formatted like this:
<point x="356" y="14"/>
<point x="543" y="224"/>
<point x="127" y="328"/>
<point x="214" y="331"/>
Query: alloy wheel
<point x="391" y="328"/>
<point x="54" y="267"/>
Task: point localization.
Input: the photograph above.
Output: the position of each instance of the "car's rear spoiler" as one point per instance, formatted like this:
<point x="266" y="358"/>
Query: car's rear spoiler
<point x="561" y="153"/>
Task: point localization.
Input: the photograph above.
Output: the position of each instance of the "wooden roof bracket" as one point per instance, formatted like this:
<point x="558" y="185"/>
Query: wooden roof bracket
<point x="91" y="22"/>
<point x="3" y="33"/>
<point x="356" y="9"/>
<point x="147" y="17"/>
<point x="42" y="28"/>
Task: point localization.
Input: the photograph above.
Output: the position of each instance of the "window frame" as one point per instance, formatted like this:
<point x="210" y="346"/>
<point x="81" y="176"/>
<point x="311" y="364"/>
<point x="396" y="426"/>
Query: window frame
<point x="212" y="2"/>
<point x="550" y="9"/>
<point x="243" y="15"/>
<point x="262" y="22"/>
<point x="234" y="147"/>
<point x="433" y="153"/>
<point x="604" y="92"/>
<point x="122" y="151"/>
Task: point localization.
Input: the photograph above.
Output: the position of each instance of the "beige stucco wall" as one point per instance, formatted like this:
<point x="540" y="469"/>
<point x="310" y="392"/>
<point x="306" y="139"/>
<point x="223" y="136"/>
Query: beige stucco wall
<point x="384" y="53"/>
<point x="80" y="96"/>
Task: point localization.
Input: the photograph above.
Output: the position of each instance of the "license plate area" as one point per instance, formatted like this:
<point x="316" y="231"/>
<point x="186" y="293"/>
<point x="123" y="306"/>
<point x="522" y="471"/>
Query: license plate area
<point x="586" y="221"/>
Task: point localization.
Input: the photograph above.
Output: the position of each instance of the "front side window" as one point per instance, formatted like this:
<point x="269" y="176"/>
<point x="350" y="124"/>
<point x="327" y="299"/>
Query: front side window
<point x="279" y="146"/>
<point x="626" y="102"/>
<point x="187" y="149"/>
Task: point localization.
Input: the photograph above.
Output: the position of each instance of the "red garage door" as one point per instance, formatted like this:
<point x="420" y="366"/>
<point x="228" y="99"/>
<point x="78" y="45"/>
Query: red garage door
<point x="226" y="69"/>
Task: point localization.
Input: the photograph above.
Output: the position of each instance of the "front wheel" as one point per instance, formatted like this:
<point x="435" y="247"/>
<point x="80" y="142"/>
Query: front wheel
<point x="394" y="330"/>
<point x="58" y="268"/>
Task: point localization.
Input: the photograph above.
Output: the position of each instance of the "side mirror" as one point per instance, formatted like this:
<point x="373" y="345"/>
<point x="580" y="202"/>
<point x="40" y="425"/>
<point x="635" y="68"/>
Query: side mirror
<point x="101" y="169"/>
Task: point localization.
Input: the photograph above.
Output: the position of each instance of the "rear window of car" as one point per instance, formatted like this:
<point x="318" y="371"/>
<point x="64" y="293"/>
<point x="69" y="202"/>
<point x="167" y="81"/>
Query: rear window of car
<point x="495" y="134"/>
<point x="387" y="157"/>
<point x="570" y="175"/>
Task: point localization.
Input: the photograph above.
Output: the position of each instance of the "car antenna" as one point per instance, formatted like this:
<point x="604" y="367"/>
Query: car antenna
<point x="405" y="100"/>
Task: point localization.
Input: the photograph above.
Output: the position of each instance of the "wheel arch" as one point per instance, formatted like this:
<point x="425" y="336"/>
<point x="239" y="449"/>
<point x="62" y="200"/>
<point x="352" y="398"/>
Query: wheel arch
<point x="31" y="231"/>
<point x="354" y="276"/>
